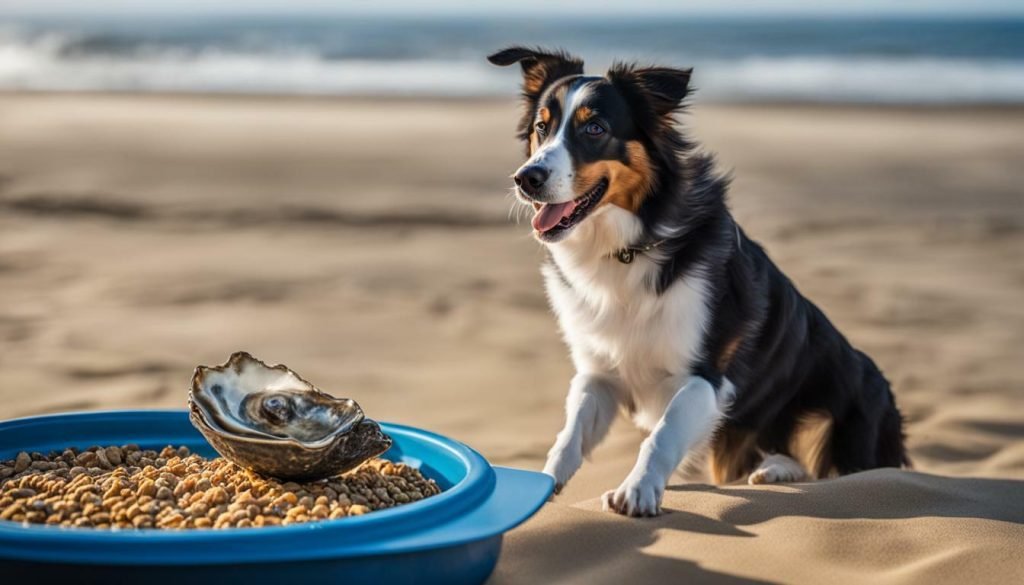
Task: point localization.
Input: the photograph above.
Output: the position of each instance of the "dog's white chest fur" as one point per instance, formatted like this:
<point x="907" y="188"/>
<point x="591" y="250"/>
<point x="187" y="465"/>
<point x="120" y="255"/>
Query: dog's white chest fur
<point x="616" y="324"/>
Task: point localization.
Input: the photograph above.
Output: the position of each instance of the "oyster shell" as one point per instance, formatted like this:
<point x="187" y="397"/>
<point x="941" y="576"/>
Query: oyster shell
<point x="268" y="419"/>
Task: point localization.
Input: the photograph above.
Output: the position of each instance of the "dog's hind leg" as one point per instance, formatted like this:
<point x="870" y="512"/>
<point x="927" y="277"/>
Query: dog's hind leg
<point x="733" y="454"/>
<point x="590" y="407"/>
<point x="778" y="468"/>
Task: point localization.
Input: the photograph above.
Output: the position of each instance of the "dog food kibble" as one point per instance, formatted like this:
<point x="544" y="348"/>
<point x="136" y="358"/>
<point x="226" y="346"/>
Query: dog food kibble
<point x="127" y="487"/>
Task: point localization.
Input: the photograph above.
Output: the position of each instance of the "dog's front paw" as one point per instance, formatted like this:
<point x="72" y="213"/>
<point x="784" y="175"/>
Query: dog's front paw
<point x="562" y="464"/>
<point x="635" y="497"/>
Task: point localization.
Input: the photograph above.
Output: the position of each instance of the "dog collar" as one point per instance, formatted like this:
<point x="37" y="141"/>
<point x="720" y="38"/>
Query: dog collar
<point x="627" y="255"/>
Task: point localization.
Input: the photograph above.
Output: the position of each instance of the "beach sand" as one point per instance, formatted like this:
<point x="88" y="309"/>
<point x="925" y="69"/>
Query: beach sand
<point x="368" y="245"/>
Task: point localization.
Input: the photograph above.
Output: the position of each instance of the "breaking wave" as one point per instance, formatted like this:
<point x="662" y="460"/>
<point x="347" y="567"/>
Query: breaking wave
<point x="51" y="59"/>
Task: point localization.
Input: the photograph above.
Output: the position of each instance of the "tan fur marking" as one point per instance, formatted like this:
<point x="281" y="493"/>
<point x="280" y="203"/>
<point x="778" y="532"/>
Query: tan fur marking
<point x="728" y="352"/>
<point x="628" y="184"/>
<point x="532" y="83"/>
<point x="733" y="455"/>
<point x="583" y="114"/>
<point x="545" y="115"/>
<point x="810" y="442"/>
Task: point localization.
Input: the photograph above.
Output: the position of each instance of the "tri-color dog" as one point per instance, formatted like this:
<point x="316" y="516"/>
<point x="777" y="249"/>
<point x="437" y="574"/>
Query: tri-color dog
<point x="670" y="311"/>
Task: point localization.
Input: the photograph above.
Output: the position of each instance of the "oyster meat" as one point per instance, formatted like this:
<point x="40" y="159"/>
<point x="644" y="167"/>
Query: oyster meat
<point x="268" y="419"/>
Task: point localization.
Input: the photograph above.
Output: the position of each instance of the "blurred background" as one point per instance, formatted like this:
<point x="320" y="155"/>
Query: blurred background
<point x="326" y="185"/>
<point x="865" y="52"/>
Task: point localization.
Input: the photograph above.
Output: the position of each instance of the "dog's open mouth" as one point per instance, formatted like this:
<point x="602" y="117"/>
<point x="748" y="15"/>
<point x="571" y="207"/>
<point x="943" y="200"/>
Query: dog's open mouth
<point x="553" y="219"/>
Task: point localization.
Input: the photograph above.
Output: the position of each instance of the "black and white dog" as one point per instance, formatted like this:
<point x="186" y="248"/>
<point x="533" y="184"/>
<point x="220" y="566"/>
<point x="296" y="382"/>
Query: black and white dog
<point x="670" y="312"/>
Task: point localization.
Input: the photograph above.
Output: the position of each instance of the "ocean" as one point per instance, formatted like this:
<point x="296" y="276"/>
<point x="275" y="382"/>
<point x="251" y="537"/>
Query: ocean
<point x="858" y="60"/>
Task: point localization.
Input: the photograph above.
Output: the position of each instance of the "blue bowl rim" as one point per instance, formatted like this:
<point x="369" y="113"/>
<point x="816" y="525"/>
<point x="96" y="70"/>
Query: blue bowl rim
<point x="466" y="494"/>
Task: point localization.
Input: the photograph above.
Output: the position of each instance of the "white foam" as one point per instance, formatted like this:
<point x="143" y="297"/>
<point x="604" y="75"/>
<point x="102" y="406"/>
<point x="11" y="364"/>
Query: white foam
<point x="861" y="79"/>
<point x="42" y="63"/>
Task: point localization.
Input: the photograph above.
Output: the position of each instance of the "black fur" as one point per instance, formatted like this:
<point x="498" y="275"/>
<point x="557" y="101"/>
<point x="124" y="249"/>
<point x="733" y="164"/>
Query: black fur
<point x="790" y="361"/>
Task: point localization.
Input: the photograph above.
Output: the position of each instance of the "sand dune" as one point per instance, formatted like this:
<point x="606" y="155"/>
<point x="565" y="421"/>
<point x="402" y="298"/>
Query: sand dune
<point x="370" y="245"/>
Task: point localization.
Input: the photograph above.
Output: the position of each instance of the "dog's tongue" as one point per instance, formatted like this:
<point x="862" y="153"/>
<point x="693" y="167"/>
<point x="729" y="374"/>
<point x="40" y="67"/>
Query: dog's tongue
<point x="550" y="214"/>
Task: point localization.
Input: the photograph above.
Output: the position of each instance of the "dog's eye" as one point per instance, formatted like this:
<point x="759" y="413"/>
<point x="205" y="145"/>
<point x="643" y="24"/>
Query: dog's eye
<point x="541" y="128"/>
<point x="594" y="129"/>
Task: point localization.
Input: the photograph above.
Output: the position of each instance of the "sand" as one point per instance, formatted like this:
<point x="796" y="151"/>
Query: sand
<point x="368" y="245"/>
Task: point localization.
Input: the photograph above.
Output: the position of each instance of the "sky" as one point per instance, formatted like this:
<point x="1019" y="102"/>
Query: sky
<point x="524" y="7"/>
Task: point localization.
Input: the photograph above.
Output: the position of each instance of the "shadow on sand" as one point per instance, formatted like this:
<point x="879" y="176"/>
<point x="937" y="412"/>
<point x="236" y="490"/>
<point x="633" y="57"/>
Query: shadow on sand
<point x="881" y="494"/>
<point x="567" y="545"/>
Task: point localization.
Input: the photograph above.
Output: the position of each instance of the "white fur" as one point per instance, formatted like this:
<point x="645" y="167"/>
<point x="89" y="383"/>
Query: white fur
<point x="554" y="154"/>
<point x="590" y="408"/>
<point x="631" y="348"/>
<point x="690" y="417"/>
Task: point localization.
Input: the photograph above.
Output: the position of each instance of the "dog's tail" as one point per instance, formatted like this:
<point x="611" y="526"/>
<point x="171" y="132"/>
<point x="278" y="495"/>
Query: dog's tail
<point x="892" y="450"/>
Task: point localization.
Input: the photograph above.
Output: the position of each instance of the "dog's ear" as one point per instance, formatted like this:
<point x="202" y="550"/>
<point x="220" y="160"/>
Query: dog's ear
<point x="663" y="89"/>
<point x="540" y="67"/>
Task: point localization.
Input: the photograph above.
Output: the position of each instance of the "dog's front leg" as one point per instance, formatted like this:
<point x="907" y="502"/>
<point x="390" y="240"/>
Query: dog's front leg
<point x="590" y="408"/>
<point x="689" y="417"/>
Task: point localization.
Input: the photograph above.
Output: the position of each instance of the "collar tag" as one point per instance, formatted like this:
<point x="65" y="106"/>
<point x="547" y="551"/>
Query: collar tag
<point x="626" y="255"/>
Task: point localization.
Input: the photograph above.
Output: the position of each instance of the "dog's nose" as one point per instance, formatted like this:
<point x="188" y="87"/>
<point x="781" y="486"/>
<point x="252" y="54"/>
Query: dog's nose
<point x="531" y="179"/>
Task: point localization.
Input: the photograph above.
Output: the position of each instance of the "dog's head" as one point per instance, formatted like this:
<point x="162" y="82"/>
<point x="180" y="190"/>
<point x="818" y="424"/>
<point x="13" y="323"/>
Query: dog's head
<point x="591" y="142"/>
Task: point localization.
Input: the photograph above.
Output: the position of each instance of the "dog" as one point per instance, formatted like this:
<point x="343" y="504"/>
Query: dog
<point x="670" y="312"/>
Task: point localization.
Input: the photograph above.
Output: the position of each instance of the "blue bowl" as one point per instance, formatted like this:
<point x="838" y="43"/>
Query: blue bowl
<point x="451" y="538"/>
